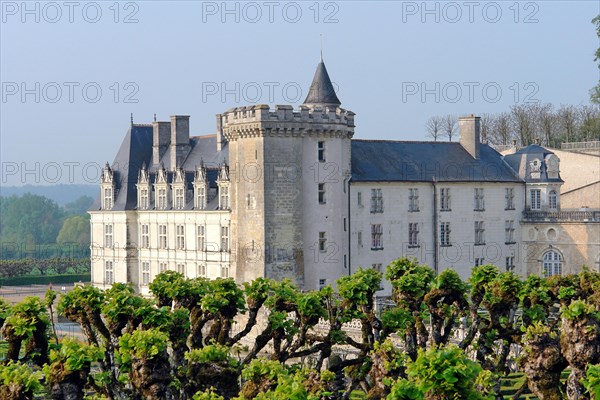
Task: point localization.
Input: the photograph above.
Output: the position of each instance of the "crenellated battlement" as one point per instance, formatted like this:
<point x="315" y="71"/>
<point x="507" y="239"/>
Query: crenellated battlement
<point x="284" y="120"/>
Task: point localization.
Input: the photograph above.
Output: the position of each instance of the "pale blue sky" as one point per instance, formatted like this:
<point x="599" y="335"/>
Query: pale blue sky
<point x="179" y="53"/>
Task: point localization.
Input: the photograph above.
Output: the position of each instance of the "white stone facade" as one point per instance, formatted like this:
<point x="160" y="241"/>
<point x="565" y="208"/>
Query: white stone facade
<point x="284" y="193"/>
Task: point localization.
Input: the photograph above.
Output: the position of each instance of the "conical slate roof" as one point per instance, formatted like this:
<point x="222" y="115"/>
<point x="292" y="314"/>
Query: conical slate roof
<point x="321" y="89"/>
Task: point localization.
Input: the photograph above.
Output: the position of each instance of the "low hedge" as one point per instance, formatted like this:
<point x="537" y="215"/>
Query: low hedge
<point x="44" y="279"/>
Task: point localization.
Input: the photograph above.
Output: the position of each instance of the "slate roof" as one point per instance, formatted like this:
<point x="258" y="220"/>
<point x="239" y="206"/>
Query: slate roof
<point x="391" y="161"/>
<point x="520" y="162"/>
<point x="136" y="150"/>
<point x="321" y="89"/>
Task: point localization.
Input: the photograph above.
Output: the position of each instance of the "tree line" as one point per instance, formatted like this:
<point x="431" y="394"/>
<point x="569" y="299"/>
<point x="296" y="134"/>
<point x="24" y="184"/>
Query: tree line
<point x="526" y="124"/>
<point x="441" y="338"/>
<point x="34" y="226"/>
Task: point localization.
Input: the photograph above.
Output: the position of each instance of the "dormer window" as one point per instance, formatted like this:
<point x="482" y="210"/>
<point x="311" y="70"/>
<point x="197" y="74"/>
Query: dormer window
<point x="108" y="188"/>
<point x="108" y="198"/>
<point x="179" y="199"/>
<point x="224" y="198"/>
<point x="223" y="184"/>
<point x="161" y="187"/>
<point x="143" y="187"/>
<point x="200" y="185"/>
<point x="162" y="199"/>
<point x="178" y="188"/>
<point x="143" y="199"/>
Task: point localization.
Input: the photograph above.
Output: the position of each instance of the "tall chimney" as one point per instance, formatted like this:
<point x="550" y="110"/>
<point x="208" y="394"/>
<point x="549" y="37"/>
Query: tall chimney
<point x="161" y="138"/>
<point x="469" y="131"/>
<point x="180" y="139"/>
<point x="220" y="138"/>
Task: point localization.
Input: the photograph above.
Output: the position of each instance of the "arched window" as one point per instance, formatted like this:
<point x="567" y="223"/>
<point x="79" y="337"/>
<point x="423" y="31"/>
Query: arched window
<point x="552" y="263"/>
<point x="552" y="200"/>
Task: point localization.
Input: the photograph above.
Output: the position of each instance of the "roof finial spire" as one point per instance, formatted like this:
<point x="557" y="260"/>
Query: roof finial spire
<point x="321" y="47"/>
<point x="154" y="117"/>
<point x="131" y="119"/>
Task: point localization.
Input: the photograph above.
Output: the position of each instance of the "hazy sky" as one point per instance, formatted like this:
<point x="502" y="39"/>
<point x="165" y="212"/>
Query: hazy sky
<point x="72" y="72"/>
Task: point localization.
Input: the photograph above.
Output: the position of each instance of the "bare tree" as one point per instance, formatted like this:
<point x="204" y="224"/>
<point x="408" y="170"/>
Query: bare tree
<point x="567" y="122"/>
<point x="589" y="128"/>
<point x="523" y="122"/>
<point x="546" y="124"/>
<point x="434" y="127"/>
<point x="500" y="129"/>
<point x="487" y="126"/>
<point x="449" y="126"/>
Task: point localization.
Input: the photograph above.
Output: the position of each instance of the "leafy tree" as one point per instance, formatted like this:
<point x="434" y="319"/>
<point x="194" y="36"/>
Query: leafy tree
<point x="443" y="373"/>
<point x="27" y="322"/>
<point x="19" y="382"/>
<point x="75" y="229"/>
<point x="595" y="92"/>
<point x="79" y="206"/>
<point x="29" y="219"/>
<point x="69" y="367"/>
<point x="580" y="343"/>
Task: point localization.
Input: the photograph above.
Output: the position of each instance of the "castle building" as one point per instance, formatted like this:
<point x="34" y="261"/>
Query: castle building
<point x="284" y="193"/>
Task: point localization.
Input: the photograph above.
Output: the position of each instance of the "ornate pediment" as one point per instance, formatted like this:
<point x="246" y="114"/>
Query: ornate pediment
<point x="107" y="174"/>
<point x="223" y="172"/>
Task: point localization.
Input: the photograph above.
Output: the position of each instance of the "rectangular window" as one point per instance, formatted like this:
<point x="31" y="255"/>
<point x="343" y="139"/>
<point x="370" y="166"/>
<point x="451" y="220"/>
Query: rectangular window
<point x="479" y="200"/>
<point x="143" y="199"/>
<point x="162" y="236"/>
<point x="376" y="233"/>
<point x="108" y="236"/>
<point x="181" y="269"/>
<point x="509" y="228"/>
<point x="321" y="151"/>
<point x="145" y="273"/>
<point x="162" y="267"/>
<point x="479" y="233"/>
<point x="510" y="263"/>
<point x="359" y="199"/>
<point x="536" y="199"/>
<point x="145" y="240"/>
<point x="376" y="201"/>
<point x="321" y="193"/>
<point x="162" y="199"/>
<point x="552" y="200"/>
<point x="322" y="242"/>
<point x="179" y="199"/>
<point x="509" y="199"/>
<point x="224" y="205"/>
<point x="202" y="270"/>
<point x="109" y="277"/>
<point x="108" y="198"/>
<point x="413" y="234"/>
<point x="200" y="197"/>
<point x="413" y="200"/>
<point x="180" y="237"/>
<point x="359" y="239"/>
<point x="322" y="283"/>
<point x="376" y="267"/>
<point x="344" y="224"/>
<point x="224" y="238"/>
<point x="479" y="261"/>
<point x="445" y="199"/>
<point x="445" y="234"/>
<point x="224" y="271"/>
<point x="201" y="246"/>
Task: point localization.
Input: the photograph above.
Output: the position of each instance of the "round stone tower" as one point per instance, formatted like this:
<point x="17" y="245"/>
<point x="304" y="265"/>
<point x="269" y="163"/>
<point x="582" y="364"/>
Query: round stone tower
<point x="289" y="172"/>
